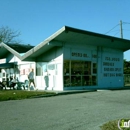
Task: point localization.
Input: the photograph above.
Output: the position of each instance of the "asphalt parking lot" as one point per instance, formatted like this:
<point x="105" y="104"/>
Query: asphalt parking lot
<point x="81" y="111"/>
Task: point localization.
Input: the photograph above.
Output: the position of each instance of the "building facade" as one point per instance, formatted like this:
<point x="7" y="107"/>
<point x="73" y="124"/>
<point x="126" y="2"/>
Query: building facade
<point x="73" y="59"/>
<point x="11" y="65"/>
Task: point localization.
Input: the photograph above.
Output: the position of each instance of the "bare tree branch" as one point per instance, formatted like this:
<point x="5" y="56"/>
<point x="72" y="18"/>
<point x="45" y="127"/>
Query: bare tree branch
<point x="8" y="36"/>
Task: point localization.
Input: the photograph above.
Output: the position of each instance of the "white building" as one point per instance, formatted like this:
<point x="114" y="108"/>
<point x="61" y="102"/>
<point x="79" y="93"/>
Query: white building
<point x="11" y="64"/>
<point x="74" y="59"/>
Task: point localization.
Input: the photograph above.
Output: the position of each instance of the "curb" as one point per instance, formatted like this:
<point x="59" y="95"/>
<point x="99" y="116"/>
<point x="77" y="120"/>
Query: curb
<point x="76" y="92"/>
<point x="62" y="93"/>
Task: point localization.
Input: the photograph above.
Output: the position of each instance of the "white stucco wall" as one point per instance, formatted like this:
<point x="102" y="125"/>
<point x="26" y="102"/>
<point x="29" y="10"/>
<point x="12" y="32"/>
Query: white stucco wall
<point x="53" y="57"/>
<point x="21" y="68"/>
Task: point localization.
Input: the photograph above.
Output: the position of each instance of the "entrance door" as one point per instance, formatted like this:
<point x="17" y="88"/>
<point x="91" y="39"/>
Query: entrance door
<point x="50" y="76"/>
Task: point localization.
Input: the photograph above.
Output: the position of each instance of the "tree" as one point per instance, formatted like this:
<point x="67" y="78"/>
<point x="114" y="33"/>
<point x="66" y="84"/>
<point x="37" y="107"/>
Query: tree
<point x="8" y="36"/>
<point x="126" y="67"/>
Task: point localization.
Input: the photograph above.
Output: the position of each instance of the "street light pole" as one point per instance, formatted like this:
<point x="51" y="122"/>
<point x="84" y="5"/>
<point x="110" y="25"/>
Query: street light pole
<point x="121" y="30"/>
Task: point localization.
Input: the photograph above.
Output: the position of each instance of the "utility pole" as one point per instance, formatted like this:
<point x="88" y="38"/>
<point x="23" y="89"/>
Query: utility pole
<point x="121" y="30"/>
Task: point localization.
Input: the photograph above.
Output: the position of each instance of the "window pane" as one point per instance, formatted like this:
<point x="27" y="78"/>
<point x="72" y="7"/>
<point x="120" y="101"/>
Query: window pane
<point x="75" y="80"/>
<point x="94" y="68"/>
<point x="79" y="73"/>
<point x="51" y="67"/>
<point x="66" y="67"/>
<point x="3" y="74"/>
<point x="67" y="81"/>
<point x="40" y="68"/>
<point x="87" y="80"/>
<point x="76" y="67"/>
<point x="94" y="80"/>
<point x="87" y="68"/>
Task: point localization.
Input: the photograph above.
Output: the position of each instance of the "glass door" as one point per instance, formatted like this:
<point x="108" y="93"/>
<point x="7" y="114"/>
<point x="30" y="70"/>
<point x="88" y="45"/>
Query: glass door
<point x="50" y="79"/>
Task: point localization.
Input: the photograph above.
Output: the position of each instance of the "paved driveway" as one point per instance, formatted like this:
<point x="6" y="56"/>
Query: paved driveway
<point x="82" y="111"/>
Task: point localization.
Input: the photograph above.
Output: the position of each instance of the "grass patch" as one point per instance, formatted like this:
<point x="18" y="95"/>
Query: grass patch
<point x="112" y="125"/>
<point x="19" y="94"/>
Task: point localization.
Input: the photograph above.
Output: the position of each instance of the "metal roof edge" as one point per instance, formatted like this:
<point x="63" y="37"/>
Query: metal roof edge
<point x="67" y="28"/>
<point x="11" y="50"/>
<point x="46" y="41"/>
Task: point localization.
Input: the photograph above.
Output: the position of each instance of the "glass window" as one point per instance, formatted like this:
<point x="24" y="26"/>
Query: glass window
<point x="79" y="73"/>
<point x="3" y="79"/>
<point x="51" y="67"/>
<point x="66" y="67"/>
<point x="76" y="81"/>
<point x="87" y="68"/>
<point x="94" y="68"/>
<point x="40" y="68"/>
<point x="80" y="67"/>
<point x="86" y="80"/>
<point x="67" y="81"/>
<point x="3" y="74"/>
<point x="76" y="67"/>
<point x="94" y="80"/>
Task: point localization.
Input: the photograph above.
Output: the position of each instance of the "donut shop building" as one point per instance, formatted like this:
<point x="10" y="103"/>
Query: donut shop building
<point x="74" y="59"/>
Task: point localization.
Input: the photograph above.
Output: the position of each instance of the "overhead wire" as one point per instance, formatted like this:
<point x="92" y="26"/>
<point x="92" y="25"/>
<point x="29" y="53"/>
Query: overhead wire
<point x="126" y="29"/>
<point x="118" y="30"/>
<point x="116" y="33"/>
<point x="125" y="22"/>
<point x="112" y="29"/>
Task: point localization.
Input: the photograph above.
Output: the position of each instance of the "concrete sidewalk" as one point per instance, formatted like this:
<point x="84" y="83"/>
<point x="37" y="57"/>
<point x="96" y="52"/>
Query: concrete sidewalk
<point x="69" y="91"/>
<point x="57" y="93"/>
<point x="65" y="92"/>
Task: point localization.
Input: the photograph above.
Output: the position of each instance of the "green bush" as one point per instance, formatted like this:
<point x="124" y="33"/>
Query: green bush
<point x="112" y="125"/>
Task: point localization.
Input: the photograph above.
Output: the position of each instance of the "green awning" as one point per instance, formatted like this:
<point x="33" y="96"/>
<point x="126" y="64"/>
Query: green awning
<point x="7" y="65"/>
